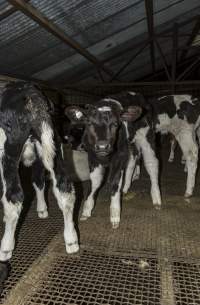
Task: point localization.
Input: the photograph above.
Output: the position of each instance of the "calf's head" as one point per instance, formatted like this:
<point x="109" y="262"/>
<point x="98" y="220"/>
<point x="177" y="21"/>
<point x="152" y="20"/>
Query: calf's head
<point x="102" y="123"/>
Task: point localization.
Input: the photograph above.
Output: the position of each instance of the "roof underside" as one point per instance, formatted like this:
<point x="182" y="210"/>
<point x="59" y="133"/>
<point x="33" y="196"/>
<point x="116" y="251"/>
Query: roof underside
<point x="111" y="30"/>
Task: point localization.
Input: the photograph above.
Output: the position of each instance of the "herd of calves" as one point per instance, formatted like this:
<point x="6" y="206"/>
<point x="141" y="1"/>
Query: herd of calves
<point x="118" y="131"/>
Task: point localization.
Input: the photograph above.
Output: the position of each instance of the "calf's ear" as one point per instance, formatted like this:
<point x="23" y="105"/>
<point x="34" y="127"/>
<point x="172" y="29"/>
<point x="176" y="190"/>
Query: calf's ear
<point x="75" y="114"/>
<point x="131" y="114"/>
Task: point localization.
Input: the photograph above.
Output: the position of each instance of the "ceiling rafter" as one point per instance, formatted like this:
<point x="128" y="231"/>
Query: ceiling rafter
<point x="130" y="61"/>
<point x="44" y="22"/>
<point x="174" y="51"/>
<point x="150" y="25"/>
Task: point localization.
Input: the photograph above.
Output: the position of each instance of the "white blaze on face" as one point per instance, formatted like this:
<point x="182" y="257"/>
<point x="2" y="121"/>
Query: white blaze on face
<point x="126" y="128"/>
<point x="104" y="109"/>
<point x="62" y="151"/>
<point x="3" y="139"/>
<point x="113" y="101"/>
<point x="132" y="93"/>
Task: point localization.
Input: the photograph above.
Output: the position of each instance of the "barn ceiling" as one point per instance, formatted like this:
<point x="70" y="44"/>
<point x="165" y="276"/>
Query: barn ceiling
<point x="87" y="41"/>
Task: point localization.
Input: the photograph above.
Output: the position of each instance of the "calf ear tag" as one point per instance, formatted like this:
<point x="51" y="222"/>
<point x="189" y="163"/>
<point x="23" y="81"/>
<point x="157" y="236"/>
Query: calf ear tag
<point x="79" y="114"/>
<point x="104" y="108"/>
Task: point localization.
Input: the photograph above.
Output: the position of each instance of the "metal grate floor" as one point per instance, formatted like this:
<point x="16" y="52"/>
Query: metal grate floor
<point x="99" y="279"/>
<point x="153" y="258"/>
<point x="186" y="278"/>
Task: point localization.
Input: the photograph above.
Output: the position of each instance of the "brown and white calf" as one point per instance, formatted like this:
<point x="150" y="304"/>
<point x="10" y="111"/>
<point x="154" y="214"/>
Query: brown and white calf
<point x="105" y="140"/>
<point x="27" y="135"/>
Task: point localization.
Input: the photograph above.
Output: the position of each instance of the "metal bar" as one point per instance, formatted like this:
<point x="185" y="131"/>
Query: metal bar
<point x="195" y="31"/>
<point x="174" y="51"/>
<point x="161" y="34"/>
<point x="188" y="69"/>
<point x="132" y="84"/>
<point x="150" y="24"/>
<point x="180" y="64"/>
<point x="163" y="59"/>
<point x="101" y="76"/>
<point x="130" y="61"/>
<point x="43" y="21"/>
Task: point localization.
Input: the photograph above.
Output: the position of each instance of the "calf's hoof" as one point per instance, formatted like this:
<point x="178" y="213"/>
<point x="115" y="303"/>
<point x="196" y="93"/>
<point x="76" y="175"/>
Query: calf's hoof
<point x="157" y="206"/>
<point x="5" y="255"/>
<point x="84" y="218"/>
<point x="72" y="248"/>
<point x="115" y="222"/>
<point x="187" y="195"/>
<point x="43" y="214"/>
<point x="125" y="191"/>
<point x="115" y="225"/>
<point x="170" y="160"/>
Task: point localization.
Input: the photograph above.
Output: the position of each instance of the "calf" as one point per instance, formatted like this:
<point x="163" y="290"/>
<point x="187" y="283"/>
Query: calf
<point x="141" y="136"/>
<point x="105" y="140"/>
<point x="27" y="134"/>
<point x="180" y="115"/>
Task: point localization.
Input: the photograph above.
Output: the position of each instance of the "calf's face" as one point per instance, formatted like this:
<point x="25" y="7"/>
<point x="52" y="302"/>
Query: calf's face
<point x="102" y="123"/>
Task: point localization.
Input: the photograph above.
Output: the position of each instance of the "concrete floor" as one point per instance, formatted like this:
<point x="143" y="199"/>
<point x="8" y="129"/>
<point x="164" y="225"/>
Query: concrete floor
<point x="153" y="258"/>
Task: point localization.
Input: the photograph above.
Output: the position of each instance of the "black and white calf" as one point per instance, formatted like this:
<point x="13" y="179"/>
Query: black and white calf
<point x="180" y="115"/>
<point x="27" y="134"/>
<point x="141" y="136"/>
<point x="105" y="140"/>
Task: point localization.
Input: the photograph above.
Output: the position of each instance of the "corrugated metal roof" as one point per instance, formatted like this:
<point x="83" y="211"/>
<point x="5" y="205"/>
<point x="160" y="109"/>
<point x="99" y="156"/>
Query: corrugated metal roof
<point x="103" y="27"/>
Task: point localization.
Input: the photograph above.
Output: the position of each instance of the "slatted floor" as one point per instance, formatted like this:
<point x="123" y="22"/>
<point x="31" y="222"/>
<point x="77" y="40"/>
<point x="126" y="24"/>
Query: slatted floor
<point x="153" y="258"/>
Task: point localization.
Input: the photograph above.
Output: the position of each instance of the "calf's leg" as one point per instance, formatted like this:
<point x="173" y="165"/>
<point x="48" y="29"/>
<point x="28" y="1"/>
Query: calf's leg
<point x="96" y="177"/>
<point x="187" y="142"/>
<point x="172" y="150"/>
<point x="12" y="199"/>
<point x="49" y="150"/>
<point x="129" y="172"/>
<point x="115" y="206"/>
<point x="38" y="180"/>
<point x="152" y="167"/>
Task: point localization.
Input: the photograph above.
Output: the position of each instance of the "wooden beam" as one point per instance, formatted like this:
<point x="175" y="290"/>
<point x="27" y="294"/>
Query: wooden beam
<point x="150" y="25"/>
<point x="52" y="28"/>
<point x="195" y="31"/>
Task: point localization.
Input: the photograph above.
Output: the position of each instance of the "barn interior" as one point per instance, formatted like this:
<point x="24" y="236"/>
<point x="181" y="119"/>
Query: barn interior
<point x="78" y="52"/>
